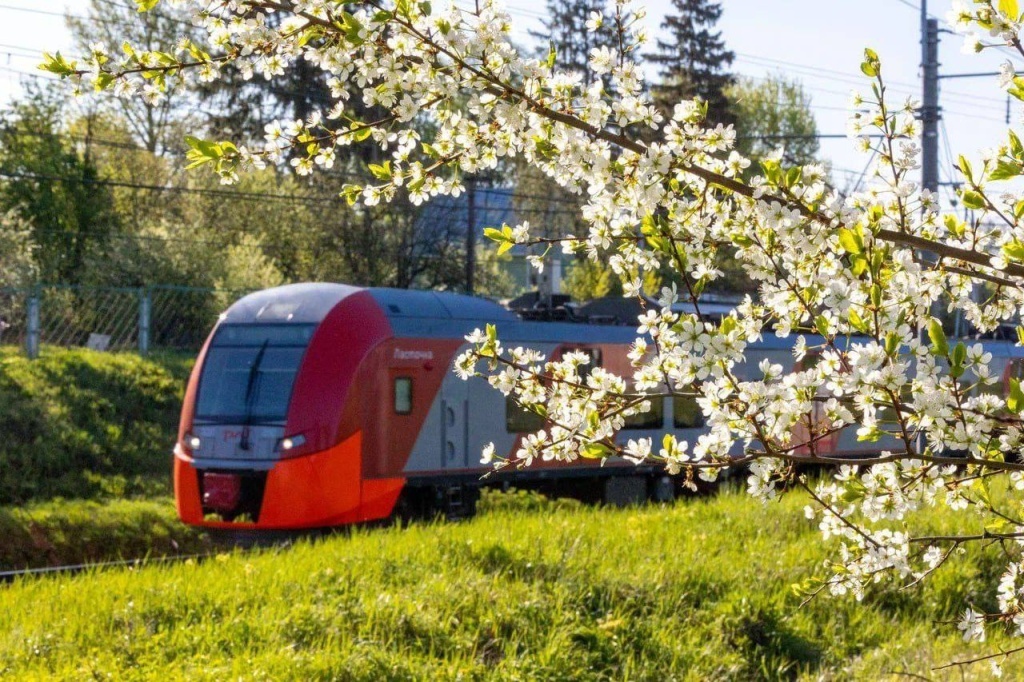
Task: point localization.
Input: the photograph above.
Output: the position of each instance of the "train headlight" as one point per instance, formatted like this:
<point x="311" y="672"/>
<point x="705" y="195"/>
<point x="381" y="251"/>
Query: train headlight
<point x="193" y="442"/>
<point x="292" y="442"/>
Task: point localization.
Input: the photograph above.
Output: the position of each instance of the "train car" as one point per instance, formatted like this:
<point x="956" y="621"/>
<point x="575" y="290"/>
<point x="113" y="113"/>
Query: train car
<point x="318" y="405"/>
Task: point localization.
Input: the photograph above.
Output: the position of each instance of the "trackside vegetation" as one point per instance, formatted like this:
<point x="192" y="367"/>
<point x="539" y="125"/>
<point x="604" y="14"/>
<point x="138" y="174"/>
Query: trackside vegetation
<point x="701" y="589"/>
<point x="84" y="424"/>
<point x="69" y="532"/>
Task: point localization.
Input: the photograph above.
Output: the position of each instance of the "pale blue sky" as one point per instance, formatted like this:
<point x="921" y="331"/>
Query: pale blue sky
<point x="819" y="42"/>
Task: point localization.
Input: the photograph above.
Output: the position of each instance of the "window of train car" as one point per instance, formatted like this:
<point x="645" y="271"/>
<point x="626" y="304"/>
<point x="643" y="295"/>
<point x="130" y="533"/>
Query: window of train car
<point x="686" y="412"/>
<point x="520" y="420"/>
<point x="249" y="371"/>
<point x="655" y="419"/>
<point x="403" y="395"/>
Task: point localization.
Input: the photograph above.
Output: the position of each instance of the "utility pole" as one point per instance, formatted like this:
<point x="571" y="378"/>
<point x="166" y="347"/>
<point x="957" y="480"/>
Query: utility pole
<point x="930" y="111"/>
<point x="470" y="233"/>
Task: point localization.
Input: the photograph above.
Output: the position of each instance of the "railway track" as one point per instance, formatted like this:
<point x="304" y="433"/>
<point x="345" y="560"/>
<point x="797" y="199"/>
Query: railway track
<point x="72" y="569"/>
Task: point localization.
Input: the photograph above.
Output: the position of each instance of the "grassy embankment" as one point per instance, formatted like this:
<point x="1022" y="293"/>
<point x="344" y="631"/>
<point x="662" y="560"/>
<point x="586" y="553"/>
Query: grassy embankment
<point x="85" y="441"/>
<point x="697" y="590"/>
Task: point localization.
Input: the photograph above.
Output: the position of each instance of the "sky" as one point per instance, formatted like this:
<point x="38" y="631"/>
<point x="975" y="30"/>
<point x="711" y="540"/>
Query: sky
<point x="818" y="42"/>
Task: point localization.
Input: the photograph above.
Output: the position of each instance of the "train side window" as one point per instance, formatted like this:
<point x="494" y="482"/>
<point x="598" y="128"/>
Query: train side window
<point x="403" y="395"/>
<point x="520" y="420"/>
<point x="655" y="419"/>
<point x="686" y="413"/>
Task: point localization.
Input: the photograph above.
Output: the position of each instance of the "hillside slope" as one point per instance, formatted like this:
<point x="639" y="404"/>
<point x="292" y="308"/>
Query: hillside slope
<point x="78" y="423"/>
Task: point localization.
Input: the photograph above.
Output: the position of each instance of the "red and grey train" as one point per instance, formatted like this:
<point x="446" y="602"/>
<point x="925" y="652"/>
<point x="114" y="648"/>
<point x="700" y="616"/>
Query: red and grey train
<point x="317" y="405"/>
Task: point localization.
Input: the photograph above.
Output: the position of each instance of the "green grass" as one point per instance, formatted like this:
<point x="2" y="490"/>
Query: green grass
<point x="66" y="532"/>
<point x="526" y="591"/>
<point x="84" y="424"/>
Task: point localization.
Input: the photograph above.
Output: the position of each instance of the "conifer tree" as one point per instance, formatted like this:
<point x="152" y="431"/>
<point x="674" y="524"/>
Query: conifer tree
<point x="693" y="60"/>
<point x="566" y="31"/>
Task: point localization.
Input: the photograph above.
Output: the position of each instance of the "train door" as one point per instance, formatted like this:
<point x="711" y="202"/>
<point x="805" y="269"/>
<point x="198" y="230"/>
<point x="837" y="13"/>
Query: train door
<point x="454" y="424"/>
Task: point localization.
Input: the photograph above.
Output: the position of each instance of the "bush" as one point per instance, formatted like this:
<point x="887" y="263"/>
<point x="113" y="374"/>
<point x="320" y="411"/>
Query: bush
<point x="79" y="423"/>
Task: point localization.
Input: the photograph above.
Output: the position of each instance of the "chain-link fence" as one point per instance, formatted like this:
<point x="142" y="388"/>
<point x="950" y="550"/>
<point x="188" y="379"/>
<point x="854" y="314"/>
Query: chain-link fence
<point x="110" y="318"/>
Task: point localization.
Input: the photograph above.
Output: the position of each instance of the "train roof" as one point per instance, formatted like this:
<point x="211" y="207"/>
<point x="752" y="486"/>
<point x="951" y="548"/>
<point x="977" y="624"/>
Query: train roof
<point x="442" y="314"/>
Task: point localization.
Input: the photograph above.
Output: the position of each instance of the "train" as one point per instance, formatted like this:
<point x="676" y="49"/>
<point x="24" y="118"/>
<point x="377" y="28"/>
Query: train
<point x="321" y="405"/>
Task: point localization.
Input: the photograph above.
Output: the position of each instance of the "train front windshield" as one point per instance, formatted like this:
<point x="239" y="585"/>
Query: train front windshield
<point x="249" y="371"/>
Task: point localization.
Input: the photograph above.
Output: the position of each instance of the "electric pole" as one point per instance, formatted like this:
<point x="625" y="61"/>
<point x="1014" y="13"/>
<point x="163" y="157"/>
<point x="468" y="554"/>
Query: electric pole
<point x="930" y="111"/>
<point x="470" y="233"/>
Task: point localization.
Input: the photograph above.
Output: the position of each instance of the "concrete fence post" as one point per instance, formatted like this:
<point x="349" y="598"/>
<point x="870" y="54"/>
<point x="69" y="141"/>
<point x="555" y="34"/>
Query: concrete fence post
<point x="145" y="310"/>
<point x="32" y="335"/>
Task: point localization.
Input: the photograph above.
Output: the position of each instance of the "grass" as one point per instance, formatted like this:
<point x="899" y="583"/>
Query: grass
<point x="82" y="424"/>
<point x="67" y="532"/>
<point x="528" y="590"/>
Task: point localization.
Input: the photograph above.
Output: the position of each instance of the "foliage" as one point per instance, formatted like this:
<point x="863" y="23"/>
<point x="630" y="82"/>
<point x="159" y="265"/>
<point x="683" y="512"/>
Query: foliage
<point x="17" y="262"/>
<point x="53" y="188"/>
<point x="532" y="590"/>
<point x="572" y="30"/>
<point x="773" y="114"/>
<point x="588" y="280"/>
<point x="157" y="120"/>
<point x="246" y="268"/>
<point x="693" y="61"/>
<point x="78" y="423"/>
<point x="72" y="532"/>
<point x="851" y="279"/>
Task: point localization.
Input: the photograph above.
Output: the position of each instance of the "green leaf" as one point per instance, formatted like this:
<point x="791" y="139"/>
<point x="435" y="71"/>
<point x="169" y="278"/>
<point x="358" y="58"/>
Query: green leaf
<point x="793" y="176"/>
<point x="1020" y="335"/>
<point x="955" y="227"/>
<point x="351" y="193"/>
<point x="381" y="172"/>
<point x="856" y="321"/>
<point x="850" y="241"/>
<point x="892" y="343"/>
<point x="940" y="346"/>
<point x="972" y="200"/>
<point x="1014" y="250"/>
<point x="596" y="451"/>
<point x="1005" y="170"/>
<point x="1015" y="401"/>
<point x="956" y="361"/>
<point x="1009" y="9"/>
<point x="146" y="5"/>
<point x="552" y="55"/>
<point x="1016" y="148"/>
<point x="103" y="81"/>
<point x="871" y="65"/>
<point x="55" y="63"/>
<point x="965" y="166"/>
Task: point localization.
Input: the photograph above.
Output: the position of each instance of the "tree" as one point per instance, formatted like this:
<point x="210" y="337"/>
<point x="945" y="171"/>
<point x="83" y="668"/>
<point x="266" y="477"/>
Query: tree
<point x="55" y="189"/>
<point x="17" y="264"/>
<point x="573" y="29"/>
<point x="158" y="117"/>
<point x="849" y="277"/>
<point x="694" y="60"/>
<point x="773" y="114"/>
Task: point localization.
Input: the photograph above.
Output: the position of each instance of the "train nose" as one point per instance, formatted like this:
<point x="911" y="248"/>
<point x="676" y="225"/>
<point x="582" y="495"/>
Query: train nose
<point x="221" y="492"/>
